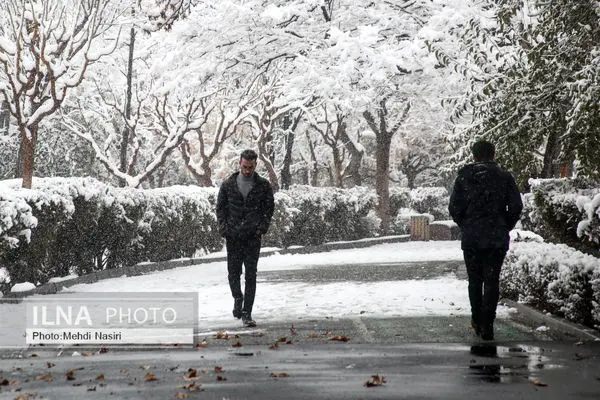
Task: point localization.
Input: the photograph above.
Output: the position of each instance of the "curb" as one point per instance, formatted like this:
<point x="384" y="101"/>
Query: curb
<point x="146" y="267"/>
<point x="566" y="329"/>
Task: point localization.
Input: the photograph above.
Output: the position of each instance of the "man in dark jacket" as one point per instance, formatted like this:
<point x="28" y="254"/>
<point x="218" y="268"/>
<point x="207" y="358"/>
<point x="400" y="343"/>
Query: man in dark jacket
<point x="486" y="205"/>
<point x="244" y="209"/>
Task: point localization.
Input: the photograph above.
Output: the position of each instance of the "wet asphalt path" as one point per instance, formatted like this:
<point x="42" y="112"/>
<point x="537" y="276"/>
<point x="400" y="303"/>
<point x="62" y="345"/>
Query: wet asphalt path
<point x="430" y="357"/>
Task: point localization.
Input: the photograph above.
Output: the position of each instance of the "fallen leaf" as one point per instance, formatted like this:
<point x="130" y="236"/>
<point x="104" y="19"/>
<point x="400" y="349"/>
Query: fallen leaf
<point x="225" y="335"/>
<point x="47" y="378"/>
<point x="70" y="375"/>
<point x="26" y="396"/>
<point x="579" y="357"/>
<point x="50" y="364"/>
<point x="192" y="375"/>
<point x="274" y="346"/>
<point x="100" y="377"/>
<point x="340" y="338"/>
<point x="283" y="339"/>
<point x="181" y="395"/>
<point x="202" y="344"/>
<point x="219" y="370"/>
<point x="537" y="382"/>
<point x="14" y="382"/>
<point x="34" y="355"/>
<point x="87" y="354"/>
<point x="4" y="382"/>
<point x="91" y="388"/>
<point x="204" y="371"/>
<point x="293" y="331"/>
<point x="124" y="371"/>
<point x="103" y="350"/>
<point x="279" y="375"/>
<point x="192" y="387"/>
<point x="314" y="335"/>
<point x="144" y="367"/>
<point x="578" y="343"/>
<point x="77" y="384"/>
<point x="221" y="378"/>
<point x="375" y="380"/>
<point x="150" y="377"/>
<point x="288" y="342"/>
<point x="236" y="344"/>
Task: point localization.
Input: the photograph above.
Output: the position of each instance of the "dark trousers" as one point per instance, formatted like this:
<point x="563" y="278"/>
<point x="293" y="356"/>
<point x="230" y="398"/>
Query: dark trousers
<point x="483" y="269"/>
<point x="243" y="252"/>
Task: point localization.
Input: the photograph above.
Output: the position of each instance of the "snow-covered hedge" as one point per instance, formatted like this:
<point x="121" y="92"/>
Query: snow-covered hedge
<point x="554" y="278"/>
<point x="321" y="214"/>
<point x="79" y="225"/>
<point x="565" y="211"/>
<point x="424" y="200"/>
<point x="432" y="201"/>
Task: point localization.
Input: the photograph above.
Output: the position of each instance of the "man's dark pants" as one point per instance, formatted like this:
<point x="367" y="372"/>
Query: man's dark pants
<point x="243" y="252"/>
<point x="483" y="269"/>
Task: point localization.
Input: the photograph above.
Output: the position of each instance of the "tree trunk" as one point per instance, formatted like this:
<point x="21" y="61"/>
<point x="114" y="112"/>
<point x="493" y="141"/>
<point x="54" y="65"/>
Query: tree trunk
<point x="126" y="129"/>
<point x="551" y="154"/>
<point x="19" y="164"/>
<point x="28" y="145"/>
<point x="336" y="170"/>
<point x="382" y="157"/>
<point x="356" y="155"/>
<point x="383" y="135"/>
<point x="290" y="126"/>
<point x="271" y="172"/>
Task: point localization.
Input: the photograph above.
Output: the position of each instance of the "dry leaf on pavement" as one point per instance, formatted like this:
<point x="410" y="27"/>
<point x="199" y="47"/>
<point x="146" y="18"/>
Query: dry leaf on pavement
<point x="47" y="378"/>
<point x="340" y="338"/>
<point x="375" y="380"/>
<point x="150" y="377"/>
<point x="537" y="382"/>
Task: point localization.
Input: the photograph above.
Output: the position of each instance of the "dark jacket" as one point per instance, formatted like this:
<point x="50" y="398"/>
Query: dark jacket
<point x="486" y="205"/>
<point x="241" y="219"/>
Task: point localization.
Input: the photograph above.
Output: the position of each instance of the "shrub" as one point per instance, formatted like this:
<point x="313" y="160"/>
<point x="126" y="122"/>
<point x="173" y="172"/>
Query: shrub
<point x="554" y="278"/>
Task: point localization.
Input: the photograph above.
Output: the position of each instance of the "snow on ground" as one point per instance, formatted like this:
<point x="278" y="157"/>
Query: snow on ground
<point x="290" y="301"/>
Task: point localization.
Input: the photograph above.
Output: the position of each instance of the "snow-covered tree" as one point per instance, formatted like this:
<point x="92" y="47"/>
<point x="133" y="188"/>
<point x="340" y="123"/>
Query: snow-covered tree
<point x="535" y="91"/>
<point x="46" y="47"/>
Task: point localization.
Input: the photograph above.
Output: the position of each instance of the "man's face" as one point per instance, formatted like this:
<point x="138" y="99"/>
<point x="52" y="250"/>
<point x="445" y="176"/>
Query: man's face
<point x="247" y="167"/>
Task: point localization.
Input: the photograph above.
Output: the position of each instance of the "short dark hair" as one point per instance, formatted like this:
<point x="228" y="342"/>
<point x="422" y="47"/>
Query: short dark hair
<point x="249" y="155"/>
<point x="483" y="151"/>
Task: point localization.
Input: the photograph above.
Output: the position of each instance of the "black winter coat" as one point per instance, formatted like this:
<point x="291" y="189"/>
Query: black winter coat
<point x="239" y="219"/>
<point x="486" y="205"/>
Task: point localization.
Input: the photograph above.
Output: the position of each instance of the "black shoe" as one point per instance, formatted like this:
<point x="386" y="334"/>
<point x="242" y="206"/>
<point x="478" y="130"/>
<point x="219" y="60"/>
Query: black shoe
<point x="247" y="320"/>
<point x="476" y="327"/>
<point x="487" y="332"/>
<point x="237" y="308"/>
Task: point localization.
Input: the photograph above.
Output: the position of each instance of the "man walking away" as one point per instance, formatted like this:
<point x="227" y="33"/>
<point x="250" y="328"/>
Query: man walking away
<point x="245" y="206"/>
<point x="486" y="205"/>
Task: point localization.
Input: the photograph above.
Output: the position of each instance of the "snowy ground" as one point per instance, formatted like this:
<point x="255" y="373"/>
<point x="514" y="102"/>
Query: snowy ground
<point x="444" y="295"/>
